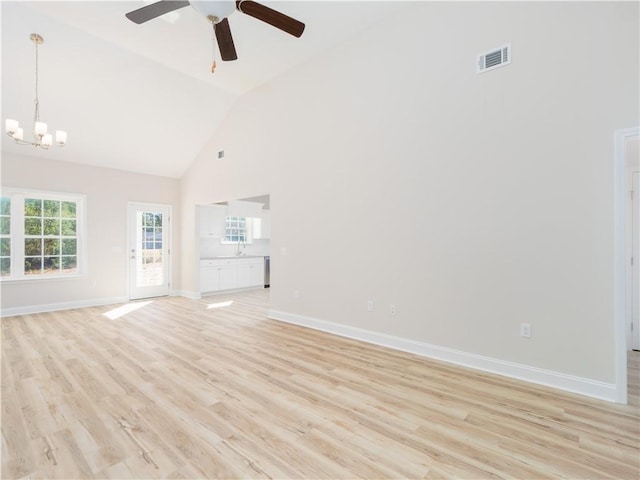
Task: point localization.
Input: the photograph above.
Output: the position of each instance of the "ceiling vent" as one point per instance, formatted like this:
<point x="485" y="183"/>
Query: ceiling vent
<point x="497" y="57"/>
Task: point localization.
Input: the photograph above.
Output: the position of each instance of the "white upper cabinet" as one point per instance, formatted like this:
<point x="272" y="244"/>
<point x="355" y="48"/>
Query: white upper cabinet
<point x="262" y="225"/>
<point x="266" y="224"/>
<point x="212" y="220"/>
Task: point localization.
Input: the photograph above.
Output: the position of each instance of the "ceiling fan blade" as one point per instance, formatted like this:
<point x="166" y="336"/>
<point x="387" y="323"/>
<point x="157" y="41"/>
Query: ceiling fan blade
<point x="149" y="12"/>
<point x="225" y="40"/>
<point x="272" y="17"/>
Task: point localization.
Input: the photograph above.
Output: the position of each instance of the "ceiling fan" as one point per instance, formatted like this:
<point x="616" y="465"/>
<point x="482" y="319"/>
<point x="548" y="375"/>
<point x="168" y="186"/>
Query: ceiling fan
<point x="217" y="12"/>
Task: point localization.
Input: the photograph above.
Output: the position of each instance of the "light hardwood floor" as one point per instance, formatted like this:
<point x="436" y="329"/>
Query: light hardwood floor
<point x="176" y="389"/>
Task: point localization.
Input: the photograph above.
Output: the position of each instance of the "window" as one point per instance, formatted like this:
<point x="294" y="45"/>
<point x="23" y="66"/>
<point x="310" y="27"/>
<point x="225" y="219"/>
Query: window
<point x="5" y="236"/>
<point x="236" y="230"/>
<point x="41" y="235"/>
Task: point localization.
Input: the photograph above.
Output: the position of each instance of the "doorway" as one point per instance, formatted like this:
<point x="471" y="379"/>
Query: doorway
<point x="149" y="250"/>
<point x="633" y="278"/>
<point x="623" y="284"/>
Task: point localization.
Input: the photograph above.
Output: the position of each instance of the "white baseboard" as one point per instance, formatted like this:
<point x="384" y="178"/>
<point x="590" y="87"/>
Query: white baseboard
<point x="549" y="378"/>
<point x="186" y="293"/>
<point x="52" y="307"/>
<point x="230" y="291"/>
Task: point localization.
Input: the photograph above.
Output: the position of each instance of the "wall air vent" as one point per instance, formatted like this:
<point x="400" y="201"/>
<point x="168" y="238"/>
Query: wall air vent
<point x="497" y="57"/>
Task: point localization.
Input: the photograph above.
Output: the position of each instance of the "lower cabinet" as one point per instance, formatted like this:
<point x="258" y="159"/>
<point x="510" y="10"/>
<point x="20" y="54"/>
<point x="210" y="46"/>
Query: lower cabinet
<point x="250" y="274"/>
<point x="209" y="279"/>
<point x="231" y="273"/>
<point x="228" y="277"/>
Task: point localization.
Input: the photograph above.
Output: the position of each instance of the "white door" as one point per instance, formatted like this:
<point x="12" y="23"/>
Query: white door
<point x="148" y="247"/>
<point x="635" y="252"/>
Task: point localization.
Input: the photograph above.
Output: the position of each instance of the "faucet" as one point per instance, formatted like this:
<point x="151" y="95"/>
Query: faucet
<point x="238" y="252"/>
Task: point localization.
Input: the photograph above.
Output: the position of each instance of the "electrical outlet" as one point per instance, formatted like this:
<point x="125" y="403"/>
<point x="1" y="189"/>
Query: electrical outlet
<point x="296" y="293"/>
<point x="525" y="330"/>
<point x="392" y="309"/>
<point x="370" y="306"/>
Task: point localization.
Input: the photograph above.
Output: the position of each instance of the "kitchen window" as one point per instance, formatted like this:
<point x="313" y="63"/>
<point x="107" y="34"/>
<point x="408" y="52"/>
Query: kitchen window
<point x="41" y="235"/>
<point x="236" y="230"/>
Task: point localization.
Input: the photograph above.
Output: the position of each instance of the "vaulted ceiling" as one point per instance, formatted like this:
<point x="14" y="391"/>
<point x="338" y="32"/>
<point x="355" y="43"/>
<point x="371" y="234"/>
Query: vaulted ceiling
<point x="142" y="97"/>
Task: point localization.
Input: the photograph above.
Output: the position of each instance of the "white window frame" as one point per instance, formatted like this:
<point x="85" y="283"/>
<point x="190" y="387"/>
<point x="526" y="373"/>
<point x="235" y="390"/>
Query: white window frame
<point x="17" y="235"/>
<point x="247" y="231"/>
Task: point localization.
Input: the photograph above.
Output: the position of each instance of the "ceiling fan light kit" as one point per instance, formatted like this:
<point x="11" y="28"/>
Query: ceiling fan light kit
<point x="217" y="12"/>
<point x="41" y="138"/>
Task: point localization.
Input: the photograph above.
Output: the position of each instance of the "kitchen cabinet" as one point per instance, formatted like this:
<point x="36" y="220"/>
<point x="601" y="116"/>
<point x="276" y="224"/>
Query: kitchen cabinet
<point x="228" y="277"/>
<point x="262" y="226"/>
<point x="256" y="274"/>
<point x="209" y="279"/>
<point x="250" y="272"/>
<point x="243" y="276"/>
<point x="219" y="274"/>
<point x="212" y="220"/>
<point x="266" y="224"/>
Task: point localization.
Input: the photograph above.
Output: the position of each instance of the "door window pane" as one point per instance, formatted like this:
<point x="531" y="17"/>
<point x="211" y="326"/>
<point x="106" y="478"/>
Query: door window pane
<point x="150" y="263"/>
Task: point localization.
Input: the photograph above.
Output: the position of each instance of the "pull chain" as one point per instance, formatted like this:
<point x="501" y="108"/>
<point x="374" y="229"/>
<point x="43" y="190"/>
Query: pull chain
<point x="213" y="50"/>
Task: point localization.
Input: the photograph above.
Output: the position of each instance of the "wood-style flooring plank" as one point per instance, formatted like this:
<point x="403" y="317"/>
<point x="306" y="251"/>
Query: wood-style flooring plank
<point x="181" y="388"/>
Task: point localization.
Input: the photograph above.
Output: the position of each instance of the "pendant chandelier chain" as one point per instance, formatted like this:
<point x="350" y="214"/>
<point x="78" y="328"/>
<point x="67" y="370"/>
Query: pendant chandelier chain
<point x="36" y="116"/>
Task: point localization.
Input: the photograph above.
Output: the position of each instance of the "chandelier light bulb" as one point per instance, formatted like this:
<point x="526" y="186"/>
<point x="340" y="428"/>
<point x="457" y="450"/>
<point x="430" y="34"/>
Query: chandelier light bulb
<point x="11" y="126"/>
<point x="40" y="128"/>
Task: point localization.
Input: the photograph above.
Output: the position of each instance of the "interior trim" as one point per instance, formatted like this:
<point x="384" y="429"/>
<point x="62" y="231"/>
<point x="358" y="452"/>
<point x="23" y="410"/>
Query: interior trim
<point x="52" y="307"/>
<point x="570" y="383"/>
<point x="620" y="260"/>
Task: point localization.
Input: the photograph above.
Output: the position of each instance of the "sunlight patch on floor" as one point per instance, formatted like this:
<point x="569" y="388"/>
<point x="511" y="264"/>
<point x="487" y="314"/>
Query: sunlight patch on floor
<point x="220" y="304"/>
<point x="124" y="309"/>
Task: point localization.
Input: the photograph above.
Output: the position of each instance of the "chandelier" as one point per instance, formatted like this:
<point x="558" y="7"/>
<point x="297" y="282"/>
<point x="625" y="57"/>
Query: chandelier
<point x="41" y="138"/>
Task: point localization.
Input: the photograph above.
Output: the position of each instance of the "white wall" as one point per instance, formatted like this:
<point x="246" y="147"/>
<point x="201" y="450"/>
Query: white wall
<point x="473" y="202"/>
<point x="108" y="192"/>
